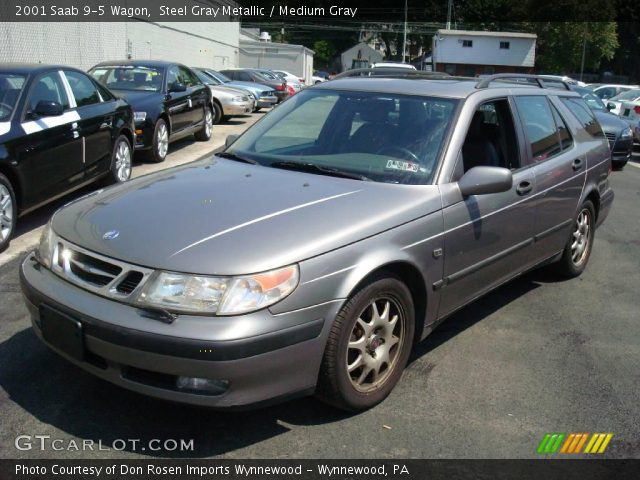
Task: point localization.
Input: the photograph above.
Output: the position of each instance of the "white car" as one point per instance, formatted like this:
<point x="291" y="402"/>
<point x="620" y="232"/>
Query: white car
<point x="611" y="90"/>
<point x="291" y="79"/>
<point x="614" y="103"/>
<point x="563" y="78"/>
<point x="630" y="111"/>
<point x="393" y="64"/>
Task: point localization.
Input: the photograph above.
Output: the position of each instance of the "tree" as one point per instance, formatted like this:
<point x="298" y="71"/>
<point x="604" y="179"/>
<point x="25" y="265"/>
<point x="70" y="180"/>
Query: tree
<point x="560" y="45"/>
<point x="325" y="50"/>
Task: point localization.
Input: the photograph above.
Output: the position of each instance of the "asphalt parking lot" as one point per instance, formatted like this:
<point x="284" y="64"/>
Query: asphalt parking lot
<point x="538" y="355"/>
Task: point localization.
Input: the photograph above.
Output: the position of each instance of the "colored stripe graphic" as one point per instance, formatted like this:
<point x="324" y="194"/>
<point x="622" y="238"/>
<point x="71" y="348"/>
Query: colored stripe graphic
<point x="573" y="443"/>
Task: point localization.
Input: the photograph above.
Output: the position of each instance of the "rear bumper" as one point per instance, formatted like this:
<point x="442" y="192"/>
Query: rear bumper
<point x="257" y="367"/>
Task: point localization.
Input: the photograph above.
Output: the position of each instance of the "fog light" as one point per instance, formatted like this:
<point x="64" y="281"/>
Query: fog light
<point x="202" y="385"/>
<point x="138" y="131"/>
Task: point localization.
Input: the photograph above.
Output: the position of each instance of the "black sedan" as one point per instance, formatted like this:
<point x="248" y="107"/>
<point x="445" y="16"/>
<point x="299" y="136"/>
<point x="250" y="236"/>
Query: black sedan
<point x="168" y="99"/>
<point x="255" y="76"/>
<point x="59" y="130"/>
<point x="616" y="130"/>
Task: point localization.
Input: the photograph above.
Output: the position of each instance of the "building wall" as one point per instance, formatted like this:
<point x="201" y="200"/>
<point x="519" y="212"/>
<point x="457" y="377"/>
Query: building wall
<point x="366" y="52"/>
<point x="82" y="45"/>
<point x="294" y="59"/>
<point x="485" y="50"/>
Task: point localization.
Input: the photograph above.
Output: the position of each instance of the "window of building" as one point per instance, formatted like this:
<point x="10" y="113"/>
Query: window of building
<point x="505" y="45"/>
<point x="467" y="43"/>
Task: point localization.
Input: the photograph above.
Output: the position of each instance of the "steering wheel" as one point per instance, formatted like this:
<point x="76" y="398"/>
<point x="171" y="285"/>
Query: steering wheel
<point x="402" y="150"/>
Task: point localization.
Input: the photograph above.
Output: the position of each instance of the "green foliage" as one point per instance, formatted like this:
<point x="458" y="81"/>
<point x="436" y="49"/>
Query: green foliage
<point x="325" y="50"/>
<point x="560" y="45"/>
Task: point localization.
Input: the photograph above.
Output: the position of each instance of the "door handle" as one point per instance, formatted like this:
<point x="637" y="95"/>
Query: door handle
<point x="524" y="187"/>
<point x="577" y="164"/>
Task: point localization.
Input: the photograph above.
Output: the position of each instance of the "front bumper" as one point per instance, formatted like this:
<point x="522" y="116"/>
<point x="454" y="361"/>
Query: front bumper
<point x="237" y="108"/>
<point x="622" y="150"/>
<point x="144" y="135"/>
<point x="263" y="357"/>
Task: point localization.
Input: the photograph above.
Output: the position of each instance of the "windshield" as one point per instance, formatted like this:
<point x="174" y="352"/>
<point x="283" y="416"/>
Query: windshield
<point x="129" y="77"/>
<point x="381" y="136"/>
<point x="10" y="88"/>
<point x="628" y="95"/>
<point x="219" y="76"/>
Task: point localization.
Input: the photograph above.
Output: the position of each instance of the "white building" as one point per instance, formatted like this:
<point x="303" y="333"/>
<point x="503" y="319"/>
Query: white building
<point x="360" y="55"/>
<point x="470" y="53"/>
<point x="82" y="45"/>
<point x="258" y="51"/>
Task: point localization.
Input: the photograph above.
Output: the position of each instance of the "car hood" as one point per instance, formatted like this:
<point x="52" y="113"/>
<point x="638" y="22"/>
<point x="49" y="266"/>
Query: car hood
<point x="140" y="101"/>
<point x="255" y="86"/>
<point x="222" y="217"/>
<point x="610" y="123"/>
<point x="229" y="92"/>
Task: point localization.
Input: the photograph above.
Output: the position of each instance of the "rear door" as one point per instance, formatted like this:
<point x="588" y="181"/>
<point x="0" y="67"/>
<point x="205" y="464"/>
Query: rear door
<point x="487" y="237"/>
<point x="559" y="165"/>
<point x="95" y="124"/>
<point x="50" y="154"/>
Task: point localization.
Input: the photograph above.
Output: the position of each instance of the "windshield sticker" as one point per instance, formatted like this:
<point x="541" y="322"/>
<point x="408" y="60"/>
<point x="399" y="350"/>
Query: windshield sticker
<point x="402" y="165"/>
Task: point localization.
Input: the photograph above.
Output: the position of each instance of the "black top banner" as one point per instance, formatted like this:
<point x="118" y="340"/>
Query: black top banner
<point x="491" y="13"/>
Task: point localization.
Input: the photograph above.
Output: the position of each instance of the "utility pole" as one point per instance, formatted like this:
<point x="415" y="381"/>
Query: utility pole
<point x="584" y="49"/>
<point x="404" y="41"/>
<point x="449" y="10"/>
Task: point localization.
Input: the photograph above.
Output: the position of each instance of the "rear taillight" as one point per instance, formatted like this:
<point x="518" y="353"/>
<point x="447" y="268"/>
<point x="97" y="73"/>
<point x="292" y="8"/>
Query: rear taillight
<point x="280" y="88"/>
<point x="637" y="109"/>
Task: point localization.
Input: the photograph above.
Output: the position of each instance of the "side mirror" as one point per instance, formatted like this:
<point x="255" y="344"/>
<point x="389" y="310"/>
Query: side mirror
<point x="230" y="139"/>
<point x="178" y="87"/>
<point x="483" y="180"/>
<point x="46" y="108"/>
<point x="610" y="106"/>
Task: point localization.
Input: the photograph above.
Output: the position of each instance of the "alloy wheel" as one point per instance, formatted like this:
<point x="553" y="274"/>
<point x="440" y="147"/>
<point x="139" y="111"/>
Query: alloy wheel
<point x="581" y="237"/>
<point x="123" y="161"/>
<point x="208" y="121"/>
<point x="163" y="140"/>
<point x="374" y="344"/>
<point x="6" y="213"/>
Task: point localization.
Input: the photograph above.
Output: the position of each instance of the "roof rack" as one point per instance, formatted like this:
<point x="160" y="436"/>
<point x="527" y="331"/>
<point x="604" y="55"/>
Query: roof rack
<point x="514" y="77"/>
<point x="391" y="72"/>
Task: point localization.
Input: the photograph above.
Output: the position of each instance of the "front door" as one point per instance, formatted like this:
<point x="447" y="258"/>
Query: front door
<point x="179" y="104"/>
<point x="487" y="237"/>
<point x="50" y="154"/>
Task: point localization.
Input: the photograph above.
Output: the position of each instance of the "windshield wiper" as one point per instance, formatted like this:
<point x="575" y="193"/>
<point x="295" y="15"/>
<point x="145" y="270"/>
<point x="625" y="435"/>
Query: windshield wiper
<point x="313" y="168"/>
<point x="237" y="158"/>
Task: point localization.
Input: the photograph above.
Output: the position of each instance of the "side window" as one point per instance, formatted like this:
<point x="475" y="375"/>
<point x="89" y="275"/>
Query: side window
<point x="244" y="76"/>
<point x="584" y="115"/>
<point x="188" y="78"/>
<point x="48" y="88"/>
<point x="105" y="94"/>
<point x="606" y="92"/>
<point x="540" y="125"/>
<point x="491" y="139"/>
<point x="173" y="76"/>
<point x="84" y="90"/>
<point x="566" y="141"/>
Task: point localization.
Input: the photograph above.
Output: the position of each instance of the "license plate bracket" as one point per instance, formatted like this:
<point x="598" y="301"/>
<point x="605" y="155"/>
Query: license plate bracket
<point x="62" y="332"/>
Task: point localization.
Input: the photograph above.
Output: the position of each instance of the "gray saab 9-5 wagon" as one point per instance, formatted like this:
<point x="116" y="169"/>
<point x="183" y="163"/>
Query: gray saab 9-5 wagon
<point x="325" y="241"/>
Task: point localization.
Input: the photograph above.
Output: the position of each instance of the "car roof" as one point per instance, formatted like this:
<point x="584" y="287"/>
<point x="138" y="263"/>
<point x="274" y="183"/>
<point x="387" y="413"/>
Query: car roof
<point x="29" y="68"/>
<point x="450" y="87"/>
<point x="145" y="63"/>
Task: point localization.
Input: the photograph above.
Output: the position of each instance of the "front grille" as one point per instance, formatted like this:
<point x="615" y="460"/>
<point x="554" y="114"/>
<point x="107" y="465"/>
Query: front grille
<point x="612" y="139"/>
<point x="270" y="93"/>
<point x="97" y="273"/>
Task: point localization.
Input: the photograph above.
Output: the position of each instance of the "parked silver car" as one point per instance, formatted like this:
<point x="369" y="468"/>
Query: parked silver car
<point x="227" y="101"/>
<point x="313" y="252"/>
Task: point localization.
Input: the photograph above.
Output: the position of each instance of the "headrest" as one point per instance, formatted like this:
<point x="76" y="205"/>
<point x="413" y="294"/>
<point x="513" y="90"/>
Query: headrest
<point x="376" y="110"/>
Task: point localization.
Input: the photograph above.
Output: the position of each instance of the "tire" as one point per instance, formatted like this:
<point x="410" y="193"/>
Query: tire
<point x="205" y="132"/>
<point x="160" y="145"/>
<point x="8" y="212"/>
<point x="357" y="340"/>
<point x="578" y="248"/>
<point x="618" y="166"/>
<point x="226" y="118"/>
<point x="257" y="109"/>
<point x="121" y="161"/>
<point x="217" y="113"/>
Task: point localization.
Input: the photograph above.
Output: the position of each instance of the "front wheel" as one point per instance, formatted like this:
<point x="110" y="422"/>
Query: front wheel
<point x="578" y="247"/>
<point x="160" y="145"/>
<point x="121" y="161"/>
<point x="368" y="346"/>
<point x="207" y="127"/>
<point x="8" y="212"/>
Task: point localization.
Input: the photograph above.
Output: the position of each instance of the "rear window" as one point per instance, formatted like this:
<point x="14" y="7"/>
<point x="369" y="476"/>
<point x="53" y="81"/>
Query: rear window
<point x="584" y="115"/>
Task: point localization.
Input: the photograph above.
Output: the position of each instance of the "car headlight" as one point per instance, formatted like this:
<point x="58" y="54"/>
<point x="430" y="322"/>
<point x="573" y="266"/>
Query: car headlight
<point x="139" y="116"/>
<point x="218" y="295"/>
<point x="626" y="133"/>
<point x="44" y="253"/>
<point x="237" y="99"/>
